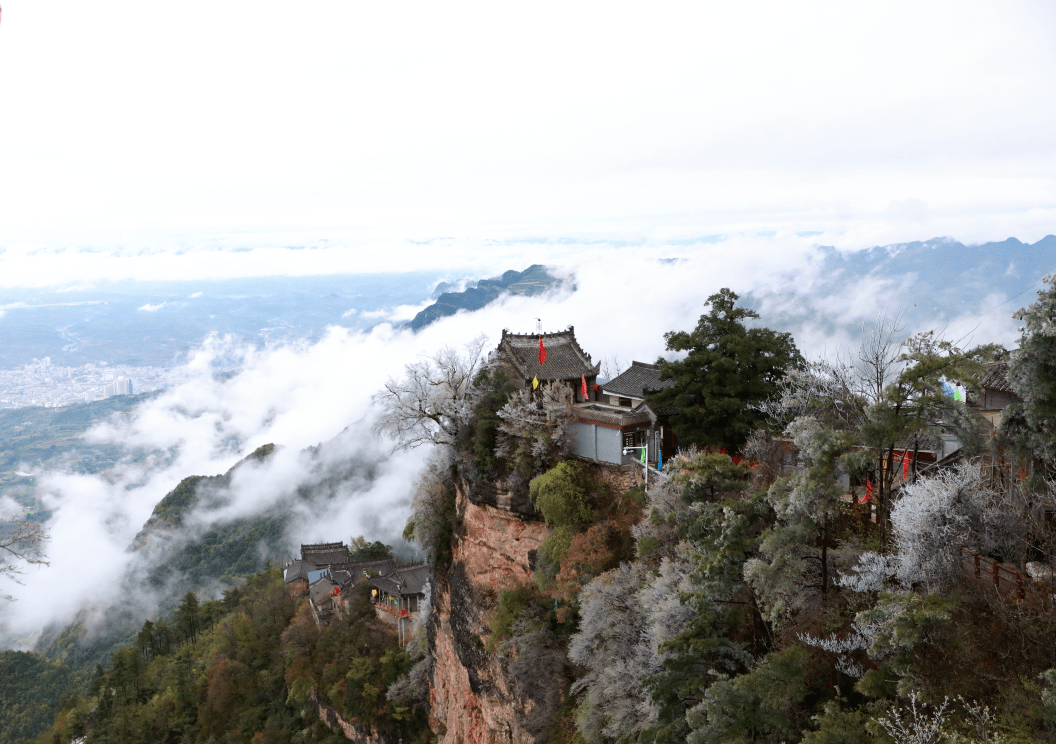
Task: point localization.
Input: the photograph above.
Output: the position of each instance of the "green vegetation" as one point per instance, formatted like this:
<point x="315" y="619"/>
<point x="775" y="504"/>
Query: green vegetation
<point x="560" y="495"/>
<point x="50" y="438"/>
<point x="494" y="384"/>
<point x="170" y="510"/>
<point x="728" y="368"/>
<point x="225" y="554"/>
<point x="32" y="689"/>
<point x="363" y="550"/>
<point x="249" y="668"/>
<point x="512" y="604"/>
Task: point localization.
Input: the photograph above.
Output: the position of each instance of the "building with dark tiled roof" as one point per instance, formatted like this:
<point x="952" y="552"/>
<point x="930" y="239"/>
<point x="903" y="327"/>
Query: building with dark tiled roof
<point x="324" y="596"/>
<point x="621" y="419"/>
<point x="630" y="387"/>
<point x="996" y="395"/>
<point x="401" y="591"/>
<point x="324" y="554"/>
<point x="565" y="359"/>
<point x="299" y="574"/>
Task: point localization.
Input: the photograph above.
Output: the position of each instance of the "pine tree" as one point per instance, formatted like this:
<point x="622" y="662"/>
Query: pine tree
<point x="729" y="368"/>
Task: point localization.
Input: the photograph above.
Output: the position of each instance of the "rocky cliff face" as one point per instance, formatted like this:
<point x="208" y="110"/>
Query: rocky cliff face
<point x="475" y="699"/>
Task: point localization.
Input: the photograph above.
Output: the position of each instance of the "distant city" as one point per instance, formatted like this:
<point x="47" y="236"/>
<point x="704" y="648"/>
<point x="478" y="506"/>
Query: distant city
<point x="41" y="383"/>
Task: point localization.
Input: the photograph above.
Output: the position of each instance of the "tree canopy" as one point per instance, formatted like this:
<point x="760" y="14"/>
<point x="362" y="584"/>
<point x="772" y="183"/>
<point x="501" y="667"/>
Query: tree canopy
<point x="728" y="368"/>
<point x="1031" y="425"/>
<point x="430" y="405"/>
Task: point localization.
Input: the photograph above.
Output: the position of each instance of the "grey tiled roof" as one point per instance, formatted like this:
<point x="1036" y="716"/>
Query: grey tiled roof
<point x="565" y="359"/>
<point x="404" y="580"/>
<point x="386" y="584"/>
<point x="596" y="414"/>
<point x="296" y="570"/>
<point x="633" y="382"/>
<point x="414" y="578"/>
<point x="320" y="590"/>
<point x="997" y="378"/>
<point x="323" y="554"/>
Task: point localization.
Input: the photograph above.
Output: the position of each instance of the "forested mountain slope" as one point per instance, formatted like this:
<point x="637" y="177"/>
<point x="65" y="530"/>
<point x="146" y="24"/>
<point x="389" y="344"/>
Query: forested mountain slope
<point x="253" y="667"/>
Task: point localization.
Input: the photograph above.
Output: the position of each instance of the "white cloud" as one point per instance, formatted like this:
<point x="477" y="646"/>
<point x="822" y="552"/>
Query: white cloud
<point x="9" y="508"/>
<point x="196" y="294"/>
<point x="148" y="308"/>
<point x="302" y="394"/>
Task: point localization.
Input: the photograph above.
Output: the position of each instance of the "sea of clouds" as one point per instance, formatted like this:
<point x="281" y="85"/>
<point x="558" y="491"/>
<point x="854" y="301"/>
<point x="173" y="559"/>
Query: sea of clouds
<point x="302" y="394"/>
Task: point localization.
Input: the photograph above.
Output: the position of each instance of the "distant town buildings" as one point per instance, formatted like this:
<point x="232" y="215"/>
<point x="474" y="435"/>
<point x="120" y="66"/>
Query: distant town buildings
<point x="40" y="383"/>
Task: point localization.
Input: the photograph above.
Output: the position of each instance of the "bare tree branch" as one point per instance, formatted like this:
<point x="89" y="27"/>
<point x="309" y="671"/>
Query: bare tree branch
<point x="22" y="542"/>
<point x="429" y="405"/>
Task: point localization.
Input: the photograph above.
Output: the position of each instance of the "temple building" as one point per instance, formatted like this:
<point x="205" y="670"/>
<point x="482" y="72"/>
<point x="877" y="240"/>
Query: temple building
<point x="565" y="360"/>
<point x="619" y="420"/>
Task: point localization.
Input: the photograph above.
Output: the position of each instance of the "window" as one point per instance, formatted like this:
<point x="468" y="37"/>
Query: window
<point x="625" y="402"/>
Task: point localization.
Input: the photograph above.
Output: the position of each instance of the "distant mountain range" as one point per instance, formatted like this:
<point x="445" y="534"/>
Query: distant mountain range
<point x="928" y="283"/>
<point x="532" y="281"/>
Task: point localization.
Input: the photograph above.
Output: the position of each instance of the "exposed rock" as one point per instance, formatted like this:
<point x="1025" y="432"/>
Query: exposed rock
<point x="473" y="698"/>
<point x="356" y="731"/>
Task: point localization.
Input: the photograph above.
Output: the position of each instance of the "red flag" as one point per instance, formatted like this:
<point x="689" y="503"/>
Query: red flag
<point x="542" y="352"/>
<point x="584" y="378"/>
<point x="868" y="492"/>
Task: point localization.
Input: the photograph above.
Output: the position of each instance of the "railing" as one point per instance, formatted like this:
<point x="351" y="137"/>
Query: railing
<point x="1006" y="579"/>
<point x="394" y="610"/>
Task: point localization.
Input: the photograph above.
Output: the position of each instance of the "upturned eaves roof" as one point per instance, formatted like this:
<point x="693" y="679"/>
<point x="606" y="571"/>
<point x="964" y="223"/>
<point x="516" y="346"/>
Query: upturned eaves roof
<point x="565" y="358"/>
<point x="637" y="380"/>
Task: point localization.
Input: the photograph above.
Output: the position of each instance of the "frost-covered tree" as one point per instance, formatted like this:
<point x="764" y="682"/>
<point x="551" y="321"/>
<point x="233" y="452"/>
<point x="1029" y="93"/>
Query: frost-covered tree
<point x="21" y="542"/>
<point x="913" y="724"/>
<point x="938" y="517"/>
<point x="890" y="397"/>
<point x="1031" y="425"/>
<point x="531" y="436"/>
<point x="612" y="646"/>
<point x="653" y="632"/>
<point x="628" y="615"/>
<point x="431" y="403"/>
<point x="724" y="632"/>
<point x="793" y="562"/>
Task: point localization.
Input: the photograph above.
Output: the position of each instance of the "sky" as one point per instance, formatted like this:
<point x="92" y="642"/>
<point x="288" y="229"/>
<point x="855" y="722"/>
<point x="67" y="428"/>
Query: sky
<point x="200" y="140"/>
<point x="145" y="139"/>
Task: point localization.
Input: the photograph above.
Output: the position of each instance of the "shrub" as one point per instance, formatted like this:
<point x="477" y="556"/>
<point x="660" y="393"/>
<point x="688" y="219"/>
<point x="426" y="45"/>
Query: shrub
<point x="512" y="603"/>
<point x="559" y="494"/>
<point x="552" y="551"/>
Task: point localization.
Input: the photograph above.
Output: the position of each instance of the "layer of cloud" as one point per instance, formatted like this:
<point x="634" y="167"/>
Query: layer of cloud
<point x="302" y="394"/>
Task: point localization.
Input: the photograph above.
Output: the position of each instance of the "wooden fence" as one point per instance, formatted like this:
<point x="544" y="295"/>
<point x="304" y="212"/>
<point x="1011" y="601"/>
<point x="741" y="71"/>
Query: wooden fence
<point x="1006" y="579"/>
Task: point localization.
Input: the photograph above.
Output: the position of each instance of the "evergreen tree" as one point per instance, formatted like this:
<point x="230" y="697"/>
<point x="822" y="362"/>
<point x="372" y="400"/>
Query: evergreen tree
<point x="1030" y="426"/>
<point x="187" y="616"/>
<point x="728" y="369"/>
